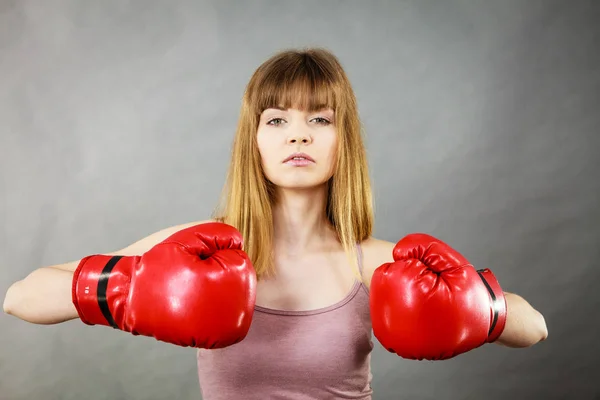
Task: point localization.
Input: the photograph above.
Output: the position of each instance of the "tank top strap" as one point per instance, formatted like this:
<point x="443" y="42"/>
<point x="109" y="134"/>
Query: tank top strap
<point x="359" y="257"/>
<point x="360" y="261"/>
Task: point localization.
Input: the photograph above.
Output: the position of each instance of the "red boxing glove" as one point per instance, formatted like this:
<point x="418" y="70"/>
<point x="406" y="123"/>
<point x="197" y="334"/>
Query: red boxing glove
<point x="197" y="288"/>
<point x="432" y="304"/>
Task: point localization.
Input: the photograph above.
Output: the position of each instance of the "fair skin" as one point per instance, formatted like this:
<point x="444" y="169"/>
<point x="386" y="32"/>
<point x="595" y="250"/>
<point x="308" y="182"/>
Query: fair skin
<point x="312" y="269"/>
<point x="310" y="262"/>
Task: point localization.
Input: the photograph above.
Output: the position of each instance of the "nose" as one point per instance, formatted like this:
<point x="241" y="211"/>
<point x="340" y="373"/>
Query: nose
<point x="299" y="138"/>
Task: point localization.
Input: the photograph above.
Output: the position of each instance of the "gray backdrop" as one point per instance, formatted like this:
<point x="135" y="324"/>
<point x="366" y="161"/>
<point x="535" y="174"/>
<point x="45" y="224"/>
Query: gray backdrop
<point x="482" y="128"/>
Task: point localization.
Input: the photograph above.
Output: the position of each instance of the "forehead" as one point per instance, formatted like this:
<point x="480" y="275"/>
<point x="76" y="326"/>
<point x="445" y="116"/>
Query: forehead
<point x="297" y="98"/>
<point x="296" y="108"/>
<point x="302" y="91"/>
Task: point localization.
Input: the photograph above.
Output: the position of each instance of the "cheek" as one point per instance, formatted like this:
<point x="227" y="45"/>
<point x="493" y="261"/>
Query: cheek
<point x="266" y="147"/>
<point x="262" y="143"/>
<point x="332" y="145"/>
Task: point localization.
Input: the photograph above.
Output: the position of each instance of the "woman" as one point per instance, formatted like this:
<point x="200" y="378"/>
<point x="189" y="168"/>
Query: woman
<point x="290" y="313"/>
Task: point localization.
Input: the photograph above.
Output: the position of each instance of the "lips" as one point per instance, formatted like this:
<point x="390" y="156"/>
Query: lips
<point x="299" y="157"/>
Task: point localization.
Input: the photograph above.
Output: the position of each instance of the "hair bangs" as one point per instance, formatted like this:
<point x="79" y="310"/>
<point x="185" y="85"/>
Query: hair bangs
<point x="300" y="83"/>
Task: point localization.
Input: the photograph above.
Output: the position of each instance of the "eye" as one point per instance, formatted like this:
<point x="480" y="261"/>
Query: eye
<point x="321" y="121"/>
<point x="275" y="121"/>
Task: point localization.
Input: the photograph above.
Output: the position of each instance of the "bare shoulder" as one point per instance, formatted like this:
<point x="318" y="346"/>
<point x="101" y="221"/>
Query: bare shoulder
<point x="145" y="244"/>
<point x="375" y="253"/>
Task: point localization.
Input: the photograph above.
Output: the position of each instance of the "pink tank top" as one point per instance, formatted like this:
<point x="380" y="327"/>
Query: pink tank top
<point x="296" y="355"/>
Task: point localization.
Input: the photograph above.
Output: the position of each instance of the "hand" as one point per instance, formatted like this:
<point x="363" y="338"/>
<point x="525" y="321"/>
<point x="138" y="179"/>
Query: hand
<point x="196" y="288"/>
<point x="431" y="303"/>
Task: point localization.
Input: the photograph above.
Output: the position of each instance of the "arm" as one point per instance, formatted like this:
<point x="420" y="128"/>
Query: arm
<point x="525" y="326"/>
<point x="44" y="296"/>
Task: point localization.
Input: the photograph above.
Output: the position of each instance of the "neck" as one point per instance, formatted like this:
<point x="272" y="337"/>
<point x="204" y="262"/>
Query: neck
<point x="300" y="221"/>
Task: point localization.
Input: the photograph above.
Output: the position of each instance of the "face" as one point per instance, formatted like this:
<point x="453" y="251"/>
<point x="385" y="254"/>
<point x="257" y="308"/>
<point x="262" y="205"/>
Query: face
<point x="297" y="148"/>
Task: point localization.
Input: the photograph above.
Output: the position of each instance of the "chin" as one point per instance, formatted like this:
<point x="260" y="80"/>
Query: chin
<point x="298" y="183"/>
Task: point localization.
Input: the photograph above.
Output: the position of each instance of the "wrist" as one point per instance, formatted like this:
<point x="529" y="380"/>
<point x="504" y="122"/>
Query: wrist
<point x="92" y="294"/>
<point x="497" y="304"/>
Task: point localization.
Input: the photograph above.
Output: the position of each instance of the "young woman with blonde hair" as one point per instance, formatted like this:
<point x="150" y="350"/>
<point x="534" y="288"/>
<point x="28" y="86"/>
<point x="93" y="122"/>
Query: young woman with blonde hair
<point x="281" y="290"/>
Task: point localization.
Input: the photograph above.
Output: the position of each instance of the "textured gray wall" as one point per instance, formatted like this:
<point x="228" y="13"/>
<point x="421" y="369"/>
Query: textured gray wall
<point x="482" y="127"/>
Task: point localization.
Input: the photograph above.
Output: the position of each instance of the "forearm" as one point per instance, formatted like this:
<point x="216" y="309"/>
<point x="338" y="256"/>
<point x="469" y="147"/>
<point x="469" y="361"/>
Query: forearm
<point x="525" y="326"/>
<point x="43" y="297"/>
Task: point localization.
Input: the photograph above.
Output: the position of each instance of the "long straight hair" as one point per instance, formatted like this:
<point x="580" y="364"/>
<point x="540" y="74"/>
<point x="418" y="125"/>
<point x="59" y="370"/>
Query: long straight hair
<point x="308" y="79"/>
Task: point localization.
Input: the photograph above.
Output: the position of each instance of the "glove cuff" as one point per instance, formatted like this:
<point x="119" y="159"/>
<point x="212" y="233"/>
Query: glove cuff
<point x="497" y="304"/>
<point x="89" y="289"/>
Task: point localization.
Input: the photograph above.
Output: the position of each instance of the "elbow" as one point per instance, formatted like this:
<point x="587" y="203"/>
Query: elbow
<point x="525" y="327"/>
<point x="9" y="304"/>
<point x="536" y="332"/>
<point x="542" y="328"/>
<point x="15" y="301"/>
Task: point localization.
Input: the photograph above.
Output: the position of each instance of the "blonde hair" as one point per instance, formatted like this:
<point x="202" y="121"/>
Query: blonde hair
<point x="310" y="80"/>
